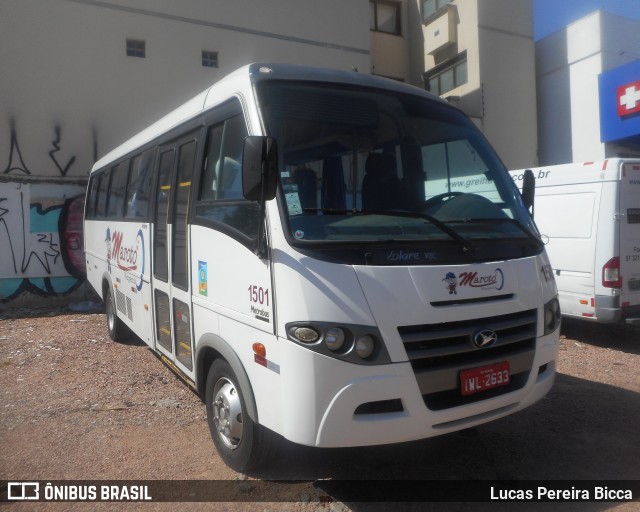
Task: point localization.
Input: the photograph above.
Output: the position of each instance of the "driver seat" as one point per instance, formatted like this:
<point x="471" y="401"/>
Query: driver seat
<point x="381" y="187"/>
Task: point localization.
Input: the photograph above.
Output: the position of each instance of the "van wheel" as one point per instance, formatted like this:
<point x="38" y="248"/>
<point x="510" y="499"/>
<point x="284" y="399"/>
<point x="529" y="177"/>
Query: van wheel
<point x="241" y="443"/>
<point x="117" y="330"/>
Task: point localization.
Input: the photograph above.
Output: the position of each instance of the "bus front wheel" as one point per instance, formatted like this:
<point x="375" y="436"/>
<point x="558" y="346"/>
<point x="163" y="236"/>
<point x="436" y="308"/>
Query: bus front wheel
<point x="241" y="443"/>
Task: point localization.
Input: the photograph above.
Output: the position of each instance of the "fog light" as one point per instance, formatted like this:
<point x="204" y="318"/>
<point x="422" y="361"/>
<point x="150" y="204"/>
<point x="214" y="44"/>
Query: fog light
<point x="306" y="334"/>
<point x="365" y="346"/>
<point x="334" y="338"/>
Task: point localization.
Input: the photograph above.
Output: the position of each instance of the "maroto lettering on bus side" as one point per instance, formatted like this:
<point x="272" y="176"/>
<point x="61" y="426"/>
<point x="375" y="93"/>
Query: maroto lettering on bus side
<point x="129" y="257"/>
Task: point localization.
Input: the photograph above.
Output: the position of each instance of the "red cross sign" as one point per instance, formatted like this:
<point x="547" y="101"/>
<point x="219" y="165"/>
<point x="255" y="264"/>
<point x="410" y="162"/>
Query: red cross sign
<point x="628" y="98"/>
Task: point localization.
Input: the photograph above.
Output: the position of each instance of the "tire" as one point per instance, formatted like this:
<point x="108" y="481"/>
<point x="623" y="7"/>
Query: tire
<point x="241" y="443"/>
<point x="117" y="330"/>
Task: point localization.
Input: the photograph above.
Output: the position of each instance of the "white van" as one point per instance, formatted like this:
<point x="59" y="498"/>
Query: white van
<point x="590" y="213"/>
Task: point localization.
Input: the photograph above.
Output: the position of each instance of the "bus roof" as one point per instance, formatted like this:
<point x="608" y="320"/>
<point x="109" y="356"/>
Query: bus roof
<point x="241" y="80"/>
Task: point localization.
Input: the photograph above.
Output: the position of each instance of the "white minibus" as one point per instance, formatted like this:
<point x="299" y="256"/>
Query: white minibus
<point x="589" y="213"/>
<point x="289" y="242"/>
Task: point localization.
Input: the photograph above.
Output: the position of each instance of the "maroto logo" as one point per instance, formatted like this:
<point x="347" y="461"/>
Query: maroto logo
<point x="127" y="256"/>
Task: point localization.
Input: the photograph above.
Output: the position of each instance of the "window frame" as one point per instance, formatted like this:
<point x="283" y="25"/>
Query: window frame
<point x="185" y="168"/>
<point x="210" y="59"/>
<point x="438" y="71"/>
<point x="230" y="108"/>
<point x="119" y="170"/>
<point x="439" y="5"/>
<point x="374" y="25"/>
<point x="215" y="118"/>
<point x="135" y="161"/>
<point x="136" y="48"/>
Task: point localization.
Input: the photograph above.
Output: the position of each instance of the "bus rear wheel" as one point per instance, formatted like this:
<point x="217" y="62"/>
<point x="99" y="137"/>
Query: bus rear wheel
<point x="241" y="443"/>
<point x="117" y="330"/>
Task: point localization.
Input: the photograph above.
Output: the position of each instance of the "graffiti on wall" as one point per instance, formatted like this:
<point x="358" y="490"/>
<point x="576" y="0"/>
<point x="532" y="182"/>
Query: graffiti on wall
<point x="16" y="163"/>
<point x="16" y="160"/>
<point x="41" y="240"/>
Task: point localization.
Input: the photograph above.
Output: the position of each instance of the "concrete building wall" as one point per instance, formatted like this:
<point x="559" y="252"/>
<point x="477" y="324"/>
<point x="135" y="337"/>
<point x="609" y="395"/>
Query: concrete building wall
<point x="553" y="100"/>
<point x="69" y="94"/>
<point x="69" y="78"/>
<point x="568" y="64"/>
<point x="507" y="64"/>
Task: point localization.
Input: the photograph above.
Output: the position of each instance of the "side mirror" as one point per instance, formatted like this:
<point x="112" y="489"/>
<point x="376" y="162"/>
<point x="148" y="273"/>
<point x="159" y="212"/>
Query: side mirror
<point x="528" y="188"/>
<point x="259" y="168"/>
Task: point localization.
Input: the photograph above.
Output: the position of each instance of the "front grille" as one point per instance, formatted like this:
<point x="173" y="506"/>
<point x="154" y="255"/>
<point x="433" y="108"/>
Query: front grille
<point x="439" y="352"/>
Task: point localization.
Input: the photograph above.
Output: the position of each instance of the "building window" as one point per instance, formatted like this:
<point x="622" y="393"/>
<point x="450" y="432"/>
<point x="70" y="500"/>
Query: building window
<point x="430" y="7"/>
<point x="385" y="16"/>
<point x="447" y="76"/>
<point x="209" y="59"/>
<point x="135" y="48"/>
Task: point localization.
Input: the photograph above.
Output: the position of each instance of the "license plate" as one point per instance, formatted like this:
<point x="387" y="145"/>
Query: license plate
<point x="484" y="377"/>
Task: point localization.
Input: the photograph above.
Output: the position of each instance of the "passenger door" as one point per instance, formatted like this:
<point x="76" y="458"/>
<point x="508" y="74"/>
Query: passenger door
<point x="171" y="272"/>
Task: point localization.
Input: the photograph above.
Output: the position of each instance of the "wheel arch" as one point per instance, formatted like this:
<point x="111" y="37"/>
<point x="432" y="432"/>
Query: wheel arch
<point x="211" y="347"/>
<point x="106" y="285"/>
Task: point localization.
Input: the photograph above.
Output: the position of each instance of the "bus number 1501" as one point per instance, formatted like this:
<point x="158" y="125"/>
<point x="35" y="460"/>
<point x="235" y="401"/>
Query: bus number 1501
<point x="258" y="295"/>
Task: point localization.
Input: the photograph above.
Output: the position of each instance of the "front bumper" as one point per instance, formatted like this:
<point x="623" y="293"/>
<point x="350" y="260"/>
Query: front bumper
<point x="341" y="404"/>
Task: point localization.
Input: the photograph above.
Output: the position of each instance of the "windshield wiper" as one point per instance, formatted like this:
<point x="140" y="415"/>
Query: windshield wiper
<point x="503" y="220"/>
<point x="466" y="244"/>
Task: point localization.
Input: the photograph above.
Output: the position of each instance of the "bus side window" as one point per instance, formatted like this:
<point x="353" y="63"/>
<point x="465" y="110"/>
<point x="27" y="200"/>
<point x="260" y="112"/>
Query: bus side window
<point x="209" y="185"/>
<point x="92" y="196"/>
<point x="119" y="176"/>
<point x="139" y="187"/>
<point x="103" y="190"/>
<point x="230" y="161"/>
<point x="220" y="198"/>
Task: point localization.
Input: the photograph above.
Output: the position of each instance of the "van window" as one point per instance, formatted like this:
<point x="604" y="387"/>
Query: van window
<point x="103" y="191"/>
<point x="220" y="198"/>
<point x="119" y="176"/>
<point x="139" y="187"/>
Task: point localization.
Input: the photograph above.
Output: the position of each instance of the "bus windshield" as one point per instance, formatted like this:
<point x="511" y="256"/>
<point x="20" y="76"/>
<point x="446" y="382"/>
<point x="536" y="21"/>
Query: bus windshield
<point x="370" y="165"/>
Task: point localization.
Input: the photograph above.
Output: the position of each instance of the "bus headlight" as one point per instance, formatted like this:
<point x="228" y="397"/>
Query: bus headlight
<point x="305" y="334"/>
<point x="357" y="344"/>
<point x="365" y="346"/>
<point x="552" y="315"/>
<point x="334" y="338"/>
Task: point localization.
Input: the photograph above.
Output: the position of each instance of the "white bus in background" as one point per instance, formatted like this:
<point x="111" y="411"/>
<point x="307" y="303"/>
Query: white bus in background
<point x="290" y="244"/>
<point x="590" y="214"/>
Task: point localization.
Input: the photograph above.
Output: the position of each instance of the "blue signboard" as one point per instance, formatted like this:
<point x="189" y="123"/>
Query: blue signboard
<point x="620" y="102"/>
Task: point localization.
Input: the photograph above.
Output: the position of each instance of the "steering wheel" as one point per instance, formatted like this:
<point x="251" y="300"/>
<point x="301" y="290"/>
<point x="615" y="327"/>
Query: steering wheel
<point x="436" y="200"/>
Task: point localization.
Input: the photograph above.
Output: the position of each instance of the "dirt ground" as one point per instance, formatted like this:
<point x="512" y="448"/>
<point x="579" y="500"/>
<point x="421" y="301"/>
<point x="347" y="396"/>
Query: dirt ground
<point x="75" y="405"/>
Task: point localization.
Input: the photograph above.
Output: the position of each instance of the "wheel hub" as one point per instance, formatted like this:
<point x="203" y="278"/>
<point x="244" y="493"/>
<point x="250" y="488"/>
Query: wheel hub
<point x="227" y="413"/>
